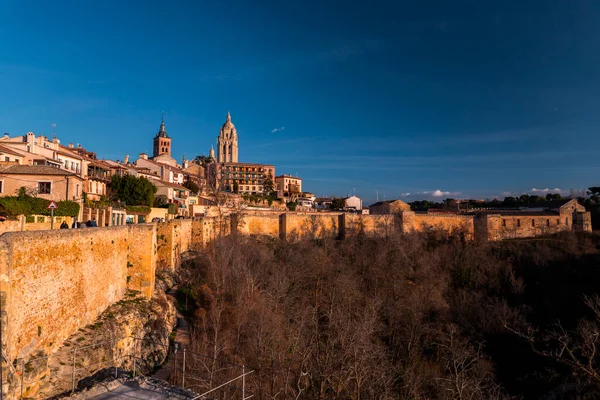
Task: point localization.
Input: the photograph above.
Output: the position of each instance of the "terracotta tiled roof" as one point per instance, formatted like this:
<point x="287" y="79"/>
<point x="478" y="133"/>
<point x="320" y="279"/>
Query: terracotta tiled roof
<point x="69" y="154"/>
<point x="173" y="185"/>
<point x="35" y="170"/>
<point x="8" y="150"/>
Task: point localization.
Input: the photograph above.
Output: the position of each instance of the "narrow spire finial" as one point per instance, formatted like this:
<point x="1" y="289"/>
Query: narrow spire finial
<point x="228" y="115"/>
<point x="163" y="117"/>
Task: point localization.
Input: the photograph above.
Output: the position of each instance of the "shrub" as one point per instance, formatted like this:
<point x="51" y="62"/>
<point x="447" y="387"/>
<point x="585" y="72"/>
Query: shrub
<point x="24" y="204"/>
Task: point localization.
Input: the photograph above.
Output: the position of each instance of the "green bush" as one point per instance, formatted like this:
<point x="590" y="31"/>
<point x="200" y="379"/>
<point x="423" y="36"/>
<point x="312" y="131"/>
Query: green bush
<point x="24" y="204"/>
<point x="65" y="209"/>
<point x="132" y="190"/>
<point x="173" y="208"/>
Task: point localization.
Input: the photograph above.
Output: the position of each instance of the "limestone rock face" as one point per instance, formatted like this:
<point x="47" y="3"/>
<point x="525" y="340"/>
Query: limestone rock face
<point x="133" y="330"/>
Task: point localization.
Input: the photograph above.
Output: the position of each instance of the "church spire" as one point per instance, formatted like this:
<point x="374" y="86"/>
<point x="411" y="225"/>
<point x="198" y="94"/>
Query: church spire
<point x="228" y="116"/>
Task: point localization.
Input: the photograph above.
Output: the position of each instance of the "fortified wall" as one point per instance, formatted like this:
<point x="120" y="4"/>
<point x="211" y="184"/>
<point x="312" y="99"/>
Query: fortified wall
<point x="290" y="226"/>
<point x="54" y="282"/>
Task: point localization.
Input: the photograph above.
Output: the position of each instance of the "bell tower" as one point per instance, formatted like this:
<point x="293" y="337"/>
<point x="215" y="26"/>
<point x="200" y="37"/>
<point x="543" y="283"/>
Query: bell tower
<point x="162" y="141"/>
<point x="227" y="142"/>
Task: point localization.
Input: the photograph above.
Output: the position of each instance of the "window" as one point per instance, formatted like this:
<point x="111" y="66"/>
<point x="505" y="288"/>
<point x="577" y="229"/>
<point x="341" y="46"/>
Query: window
<point x="504" y="223"/>
<point x="1" y="186"/>
<point x="548" y="222"/>
<point x="519" y="223"/>
<point x="533" y="222"/>
<point x="6" y="158"/>
<point x="566" y="221"/>
<point x="44" y="187"/>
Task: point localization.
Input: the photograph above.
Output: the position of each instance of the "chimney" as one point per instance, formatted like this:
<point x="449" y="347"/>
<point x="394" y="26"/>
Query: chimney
<point x="143" y="156"/>
<point x="71" y="145"/>
<point x="78" y="146"/>
<point x="6" y="135"/>
<point x="55" y="140"/>
<point x="126" y="160"/>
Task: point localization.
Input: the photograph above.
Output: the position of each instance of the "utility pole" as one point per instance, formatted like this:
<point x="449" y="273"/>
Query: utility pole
<point x="377" y="192"/>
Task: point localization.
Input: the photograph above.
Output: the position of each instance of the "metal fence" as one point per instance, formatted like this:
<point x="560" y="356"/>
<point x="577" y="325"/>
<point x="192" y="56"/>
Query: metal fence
<point x="61" y="372"/>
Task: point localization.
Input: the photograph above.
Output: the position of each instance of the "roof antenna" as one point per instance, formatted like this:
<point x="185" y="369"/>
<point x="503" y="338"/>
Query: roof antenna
<point x="53" y="131"/>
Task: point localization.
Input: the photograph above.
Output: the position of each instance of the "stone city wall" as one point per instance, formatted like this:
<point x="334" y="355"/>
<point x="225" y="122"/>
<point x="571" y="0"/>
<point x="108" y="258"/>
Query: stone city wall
<point x="55" y="282"/>
<point x="173" y="238"/>
<point x="370" y="224"/>
<point x="294" y="225"/>
<point x="260" y="224"/>
<point x="411" y="221"/>
<point x="310" y="225"/>
<point x="502" y="227"/>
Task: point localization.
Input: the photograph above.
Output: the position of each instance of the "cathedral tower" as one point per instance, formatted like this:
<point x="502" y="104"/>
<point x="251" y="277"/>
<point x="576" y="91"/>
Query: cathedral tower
<point x="227" y="142"/>
<point x="162" y="141"/>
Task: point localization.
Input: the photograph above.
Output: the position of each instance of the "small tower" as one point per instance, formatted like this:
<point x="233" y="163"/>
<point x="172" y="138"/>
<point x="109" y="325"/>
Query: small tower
<point x="211" y="153"/>
<point x="227" y="142"/>
<point x="162" y="141"/>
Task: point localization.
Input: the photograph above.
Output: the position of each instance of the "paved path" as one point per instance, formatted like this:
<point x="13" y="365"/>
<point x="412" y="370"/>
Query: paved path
<point x="131" y="390"/>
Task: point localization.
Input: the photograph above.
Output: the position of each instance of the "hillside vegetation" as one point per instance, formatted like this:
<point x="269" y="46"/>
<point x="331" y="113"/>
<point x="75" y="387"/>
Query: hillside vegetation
<point x="422" y="316"/>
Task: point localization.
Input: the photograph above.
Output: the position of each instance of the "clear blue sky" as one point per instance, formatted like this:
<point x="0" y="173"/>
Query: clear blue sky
<point x="450" y="98"/>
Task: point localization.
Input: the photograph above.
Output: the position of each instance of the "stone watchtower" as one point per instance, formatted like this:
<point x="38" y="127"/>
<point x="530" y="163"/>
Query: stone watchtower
<point x="162" y="141"/>
<point x="227" y="142"/>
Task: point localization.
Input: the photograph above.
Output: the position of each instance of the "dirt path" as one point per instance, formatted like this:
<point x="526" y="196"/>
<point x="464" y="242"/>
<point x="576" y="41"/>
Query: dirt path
<point x="182" y="338"/>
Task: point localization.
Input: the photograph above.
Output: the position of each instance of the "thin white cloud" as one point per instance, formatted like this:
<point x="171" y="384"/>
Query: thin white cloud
<point x="404" y="194"/>
<point x="555" y="190"/>
<point x="278" y="129"/>
<point x="438" y="193"/>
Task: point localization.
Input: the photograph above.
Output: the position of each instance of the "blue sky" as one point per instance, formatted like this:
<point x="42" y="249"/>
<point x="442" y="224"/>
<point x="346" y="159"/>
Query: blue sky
<point x="426" y="99"/>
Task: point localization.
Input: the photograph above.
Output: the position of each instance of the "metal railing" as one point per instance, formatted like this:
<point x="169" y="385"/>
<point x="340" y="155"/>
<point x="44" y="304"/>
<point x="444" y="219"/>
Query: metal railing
<point x="63" y="370"/>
